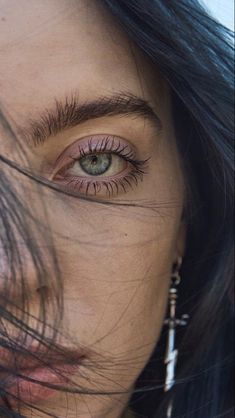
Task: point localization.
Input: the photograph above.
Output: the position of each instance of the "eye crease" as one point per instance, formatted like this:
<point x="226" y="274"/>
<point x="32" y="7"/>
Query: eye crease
<point x="101" y="164"/>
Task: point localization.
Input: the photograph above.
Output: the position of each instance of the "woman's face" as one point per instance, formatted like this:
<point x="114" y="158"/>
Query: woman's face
<point x="70" y="58"/>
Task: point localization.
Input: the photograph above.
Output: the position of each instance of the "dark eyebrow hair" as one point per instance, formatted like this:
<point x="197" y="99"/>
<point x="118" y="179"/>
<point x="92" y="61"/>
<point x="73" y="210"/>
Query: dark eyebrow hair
<point x="69" y="113"/>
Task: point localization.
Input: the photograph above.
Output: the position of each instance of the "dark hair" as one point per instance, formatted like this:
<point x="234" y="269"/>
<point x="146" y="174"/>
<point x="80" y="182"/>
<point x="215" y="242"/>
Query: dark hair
<point x="194" y="54"/>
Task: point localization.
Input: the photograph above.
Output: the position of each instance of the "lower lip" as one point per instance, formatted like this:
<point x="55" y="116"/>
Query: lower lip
<point x="31" y="393"/>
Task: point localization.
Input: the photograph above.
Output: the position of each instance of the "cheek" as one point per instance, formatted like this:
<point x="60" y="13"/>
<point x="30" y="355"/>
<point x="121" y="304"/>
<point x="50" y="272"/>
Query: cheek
<point x="116" y="279"/>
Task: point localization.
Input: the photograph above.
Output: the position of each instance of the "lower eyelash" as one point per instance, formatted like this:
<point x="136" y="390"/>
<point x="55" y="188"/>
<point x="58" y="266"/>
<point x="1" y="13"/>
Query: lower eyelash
<point x="112" y="186"/>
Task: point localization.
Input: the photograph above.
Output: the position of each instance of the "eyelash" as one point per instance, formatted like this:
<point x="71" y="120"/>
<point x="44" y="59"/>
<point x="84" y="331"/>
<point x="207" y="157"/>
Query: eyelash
<point x="111" y="186"/>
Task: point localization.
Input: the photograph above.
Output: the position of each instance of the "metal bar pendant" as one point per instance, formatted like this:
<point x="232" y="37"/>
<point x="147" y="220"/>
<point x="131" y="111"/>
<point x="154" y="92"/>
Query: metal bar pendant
<point x="171" y="352"/>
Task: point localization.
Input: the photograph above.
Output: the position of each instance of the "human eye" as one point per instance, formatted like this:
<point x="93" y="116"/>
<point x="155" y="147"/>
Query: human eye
<point x="99" y="165"/>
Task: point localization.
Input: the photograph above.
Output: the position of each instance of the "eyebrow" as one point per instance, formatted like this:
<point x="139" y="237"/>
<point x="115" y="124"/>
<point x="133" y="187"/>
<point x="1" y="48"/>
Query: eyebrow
<point x="68" y="113"/>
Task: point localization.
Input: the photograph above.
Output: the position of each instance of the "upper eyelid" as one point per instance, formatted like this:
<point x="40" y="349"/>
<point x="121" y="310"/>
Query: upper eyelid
<point x="87" y="142"/>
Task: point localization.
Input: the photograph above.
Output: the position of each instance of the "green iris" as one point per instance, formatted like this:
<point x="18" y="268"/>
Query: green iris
<point x="96" y="164"/>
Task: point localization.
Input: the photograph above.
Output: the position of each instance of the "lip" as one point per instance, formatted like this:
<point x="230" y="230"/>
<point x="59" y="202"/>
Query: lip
<point x="45" y="366"/>
<point x="30" y="392"/>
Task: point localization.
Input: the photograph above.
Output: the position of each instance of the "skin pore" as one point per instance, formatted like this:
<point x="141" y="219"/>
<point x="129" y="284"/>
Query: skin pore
<point x="115" y="260"/>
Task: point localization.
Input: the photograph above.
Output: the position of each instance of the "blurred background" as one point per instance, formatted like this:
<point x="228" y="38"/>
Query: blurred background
<point x="223" y="10"/>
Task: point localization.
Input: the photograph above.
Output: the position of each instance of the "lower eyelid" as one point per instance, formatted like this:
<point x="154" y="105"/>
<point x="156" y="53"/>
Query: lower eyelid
<point x="104" y="185"/>
<point x="103" y="188"/>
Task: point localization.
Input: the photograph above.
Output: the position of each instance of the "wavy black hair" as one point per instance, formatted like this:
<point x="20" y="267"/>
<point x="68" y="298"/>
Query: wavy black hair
<point x="195" y="55"/>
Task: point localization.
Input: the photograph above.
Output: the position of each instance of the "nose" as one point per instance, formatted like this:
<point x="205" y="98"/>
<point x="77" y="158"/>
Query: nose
<point x="22" y="278"/>
<point x="28" y="306"/>
<point x="15" y="293"/>
<point x="44" y="292"/>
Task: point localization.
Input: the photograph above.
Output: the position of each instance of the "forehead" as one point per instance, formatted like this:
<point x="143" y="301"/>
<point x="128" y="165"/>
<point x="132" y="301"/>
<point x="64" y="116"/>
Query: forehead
<point x="49" y="49"/>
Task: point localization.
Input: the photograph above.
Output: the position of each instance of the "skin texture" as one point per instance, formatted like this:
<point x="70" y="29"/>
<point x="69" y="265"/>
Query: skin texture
<point x="115" y="261"/>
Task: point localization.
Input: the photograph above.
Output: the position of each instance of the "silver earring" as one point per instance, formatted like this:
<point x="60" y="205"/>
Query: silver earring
<point x="172" y="322"/>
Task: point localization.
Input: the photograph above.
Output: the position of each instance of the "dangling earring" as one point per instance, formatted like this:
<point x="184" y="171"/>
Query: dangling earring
<point x="172" y="322"/>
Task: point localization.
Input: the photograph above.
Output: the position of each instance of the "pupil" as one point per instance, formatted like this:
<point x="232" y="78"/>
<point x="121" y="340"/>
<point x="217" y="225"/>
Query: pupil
<point x="94" y="160"/>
